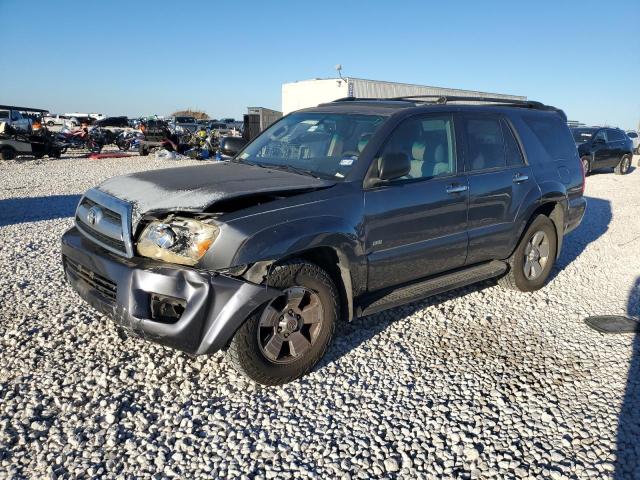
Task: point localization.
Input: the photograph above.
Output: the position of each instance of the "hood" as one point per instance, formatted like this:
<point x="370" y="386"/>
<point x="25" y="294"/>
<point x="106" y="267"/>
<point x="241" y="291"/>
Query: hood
<point x="197" y="188"/>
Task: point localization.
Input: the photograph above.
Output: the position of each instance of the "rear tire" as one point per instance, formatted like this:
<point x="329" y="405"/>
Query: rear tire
<point x="143" y="151"/>
<point x="7" y="153"/>
<point x="527" y="270"/>
<point x="623" y="167"/>
<point x="263" y="348"/>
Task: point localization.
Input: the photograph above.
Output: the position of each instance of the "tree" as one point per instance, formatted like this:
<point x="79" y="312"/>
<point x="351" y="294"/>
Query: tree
<point x="198" y="115"/>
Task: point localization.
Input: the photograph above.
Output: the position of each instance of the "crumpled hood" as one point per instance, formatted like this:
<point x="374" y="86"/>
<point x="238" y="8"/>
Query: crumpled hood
<point x="196" y="188"/>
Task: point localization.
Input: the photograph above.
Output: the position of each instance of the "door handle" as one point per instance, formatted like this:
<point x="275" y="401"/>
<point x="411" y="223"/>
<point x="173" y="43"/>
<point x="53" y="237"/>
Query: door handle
<point x="457" y="188"/>
<point x="519" y="178"/>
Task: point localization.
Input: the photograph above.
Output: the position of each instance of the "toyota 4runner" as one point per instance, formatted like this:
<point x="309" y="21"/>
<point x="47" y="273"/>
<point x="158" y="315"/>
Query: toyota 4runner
<point x="334" y="212"/>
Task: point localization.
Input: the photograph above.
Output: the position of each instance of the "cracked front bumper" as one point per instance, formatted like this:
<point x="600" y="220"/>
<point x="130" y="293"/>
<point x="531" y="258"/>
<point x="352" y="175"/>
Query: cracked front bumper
<point x="215" y="305"/>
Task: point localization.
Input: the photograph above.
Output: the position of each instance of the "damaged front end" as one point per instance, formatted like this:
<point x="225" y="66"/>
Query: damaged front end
<point x="191" y="310"/>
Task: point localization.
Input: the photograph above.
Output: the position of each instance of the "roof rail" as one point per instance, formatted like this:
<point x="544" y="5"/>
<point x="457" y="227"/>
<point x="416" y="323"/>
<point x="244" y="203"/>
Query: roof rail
<point x="444" y="99"/>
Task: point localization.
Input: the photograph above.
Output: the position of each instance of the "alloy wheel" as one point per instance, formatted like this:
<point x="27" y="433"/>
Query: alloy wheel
<point x="290" y="325"/>
<point x="536" y="255"/>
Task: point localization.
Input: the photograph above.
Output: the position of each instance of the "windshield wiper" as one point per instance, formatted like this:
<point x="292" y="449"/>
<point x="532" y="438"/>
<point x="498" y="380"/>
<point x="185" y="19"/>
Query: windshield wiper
<point x="291" y="168"/>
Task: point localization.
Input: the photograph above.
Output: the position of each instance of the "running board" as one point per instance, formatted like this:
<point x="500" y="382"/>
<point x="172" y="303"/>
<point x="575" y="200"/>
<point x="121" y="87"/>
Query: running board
<point x="432" y="286"/>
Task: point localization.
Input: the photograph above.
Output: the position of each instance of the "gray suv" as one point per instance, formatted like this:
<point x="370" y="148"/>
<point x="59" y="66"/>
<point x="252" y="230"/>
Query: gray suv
<point x="332" y="213"/>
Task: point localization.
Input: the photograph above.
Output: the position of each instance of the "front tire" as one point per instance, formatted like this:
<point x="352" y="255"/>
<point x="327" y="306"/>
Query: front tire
<point x="533" y="259"/>
<point x="285" y="339"/>
<point x="623" y="167"/>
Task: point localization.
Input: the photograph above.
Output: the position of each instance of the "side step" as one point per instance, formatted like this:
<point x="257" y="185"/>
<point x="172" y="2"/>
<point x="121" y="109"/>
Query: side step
<point x="432" y="286"/>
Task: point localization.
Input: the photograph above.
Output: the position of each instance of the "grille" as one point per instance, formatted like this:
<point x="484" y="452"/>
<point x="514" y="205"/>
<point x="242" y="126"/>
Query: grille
<point x="105" y="287"/>
<point x="112" y="242"/>
<point x="105" y="220"/>
<point x="115" y="216"/>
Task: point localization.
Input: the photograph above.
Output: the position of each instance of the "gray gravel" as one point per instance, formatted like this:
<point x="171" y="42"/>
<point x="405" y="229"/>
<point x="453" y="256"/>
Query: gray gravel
<point x="477" y="383"/>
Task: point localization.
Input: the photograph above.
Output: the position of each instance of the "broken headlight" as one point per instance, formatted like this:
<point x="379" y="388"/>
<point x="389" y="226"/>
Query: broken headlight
<point x="177" y="240"/>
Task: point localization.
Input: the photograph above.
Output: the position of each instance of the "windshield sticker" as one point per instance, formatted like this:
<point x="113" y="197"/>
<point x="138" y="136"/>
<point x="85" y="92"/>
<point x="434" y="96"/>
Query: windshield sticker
<point x="346" y="162"/>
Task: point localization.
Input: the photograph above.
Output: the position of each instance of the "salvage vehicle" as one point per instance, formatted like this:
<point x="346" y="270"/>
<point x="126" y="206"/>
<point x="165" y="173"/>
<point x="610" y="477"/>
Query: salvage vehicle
<point x="18" y="117"/>
<point x="14" y="143"/>
<point x="333" y="212"/>
<point x="603" y="147"/>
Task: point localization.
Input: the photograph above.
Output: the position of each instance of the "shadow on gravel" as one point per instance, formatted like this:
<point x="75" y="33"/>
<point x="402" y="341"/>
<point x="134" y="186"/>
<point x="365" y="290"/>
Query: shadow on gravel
<point x="627" y="463"/>
<point x="594" y="224"/>
<point x="350" y="335"/>
<point x="34" y="209"/>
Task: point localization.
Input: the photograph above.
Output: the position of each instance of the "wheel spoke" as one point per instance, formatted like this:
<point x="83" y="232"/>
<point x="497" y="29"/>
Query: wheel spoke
<point x="528" y="248"/>
<point x="273" y="347"/>
<point x="536" y="269"/>
<point x="298" y="344"/>
<point x="295" y="296"/>
<point x="312" y="313"/>
<point x="544" y="250"/>
<point x="537" y="239"/>
<point x="270" y="317"/>
<point x="527" y="267"/>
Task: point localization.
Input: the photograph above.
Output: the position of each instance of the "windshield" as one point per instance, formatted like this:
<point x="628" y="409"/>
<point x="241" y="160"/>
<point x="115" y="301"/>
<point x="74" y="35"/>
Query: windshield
<point x="582" y="135"/>
<point x="326" y="145"/>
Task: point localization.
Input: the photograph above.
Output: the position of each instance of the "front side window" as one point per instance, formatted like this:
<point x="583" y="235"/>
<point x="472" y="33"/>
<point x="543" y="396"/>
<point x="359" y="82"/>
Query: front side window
<point x="485" y="143"/>
<point x="428" y="142"/>
<point x="326" y="145"/>
<point x="601" y="136"/>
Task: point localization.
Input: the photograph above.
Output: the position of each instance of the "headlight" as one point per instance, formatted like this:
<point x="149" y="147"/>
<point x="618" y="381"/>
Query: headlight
<point x="178" y="240"/>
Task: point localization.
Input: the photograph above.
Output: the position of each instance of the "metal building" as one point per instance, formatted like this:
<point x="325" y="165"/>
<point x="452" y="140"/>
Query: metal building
<point x="309" y="93"/>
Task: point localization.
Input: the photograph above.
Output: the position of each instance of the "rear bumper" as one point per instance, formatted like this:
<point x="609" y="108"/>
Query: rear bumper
<point x="215" y="305"/>
<point x="577" y="209"/>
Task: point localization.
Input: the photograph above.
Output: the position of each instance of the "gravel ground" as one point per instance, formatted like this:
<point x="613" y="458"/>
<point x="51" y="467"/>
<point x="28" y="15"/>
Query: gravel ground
<point x="477" y="383"/>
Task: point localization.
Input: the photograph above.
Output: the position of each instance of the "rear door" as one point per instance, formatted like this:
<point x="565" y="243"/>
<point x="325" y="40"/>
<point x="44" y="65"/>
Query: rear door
<point x="415" y="226"/>
<point x="499" y="182"/>
<point x="616" y="146"/>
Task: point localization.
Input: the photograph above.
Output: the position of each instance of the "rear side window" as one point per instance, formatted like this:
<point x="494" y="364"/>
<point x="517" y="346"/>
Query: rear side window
<point x="615" y="135"/>
<point x="554" y="136"/>
<point x="485" y="143"/>
<point x="511" y="147"/>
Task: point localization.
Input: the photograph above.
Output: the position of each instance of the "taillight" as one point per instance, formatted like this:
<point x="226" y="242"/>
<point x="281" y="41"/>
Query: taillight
<point x="584" y="176"/>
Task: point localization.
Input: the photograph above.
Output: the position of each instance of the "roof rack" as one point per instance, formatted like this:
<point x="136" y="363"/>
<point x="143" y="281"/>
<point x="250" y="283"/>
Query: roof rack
<point x="444" y="99"/>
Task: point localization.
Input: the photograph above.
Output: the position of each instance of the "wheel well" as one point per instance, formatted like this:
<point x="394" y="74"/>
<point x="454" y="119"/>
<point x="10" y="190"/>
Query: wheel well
<point x="554" y="211"/>
<point x="327" y="258"/>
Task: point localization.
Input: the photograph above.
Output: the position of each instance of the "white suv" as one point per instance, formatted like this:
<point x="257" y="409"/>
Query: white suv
<point x="14" y="118"/>
<point x="635" y="138"/>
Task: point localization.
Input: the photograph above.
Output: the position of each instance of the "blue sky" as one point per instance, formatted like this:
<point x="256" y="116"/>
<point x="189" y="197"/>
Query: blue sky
<point x="146" y="57"/>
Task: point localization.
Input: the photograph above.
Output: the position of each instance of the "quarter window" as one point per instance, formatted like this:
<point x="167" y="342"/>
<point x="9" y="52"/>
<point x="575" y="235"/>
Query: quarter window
<point x="485" y="143"/>
<point x="428" y="143"/>
<point x="553" y="134"/>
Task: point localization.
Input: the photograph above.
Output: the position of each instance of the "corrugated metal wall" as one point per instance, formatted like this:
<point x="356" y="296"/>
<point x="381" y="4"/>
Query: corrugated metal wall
<point x="362" y="88"/>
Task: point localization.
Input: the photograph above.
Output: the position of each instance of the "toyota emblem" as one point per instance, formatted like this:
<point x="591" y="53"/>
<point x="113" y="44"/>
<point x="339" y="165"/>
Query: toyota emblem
<point x="94" y="214"/>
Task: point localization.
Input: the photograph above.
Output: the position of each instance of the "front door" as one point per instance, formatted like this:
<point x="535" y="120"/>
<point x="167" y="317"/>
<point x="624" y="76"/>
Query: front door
<point x="601" y="150"/>
<point x="415" y="226"/>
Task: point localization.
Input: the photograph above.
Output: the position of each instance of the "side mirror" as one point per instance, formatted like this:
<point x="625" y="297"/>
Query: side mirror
<point x="393" y="165"/>
<point x="230" y="146"/>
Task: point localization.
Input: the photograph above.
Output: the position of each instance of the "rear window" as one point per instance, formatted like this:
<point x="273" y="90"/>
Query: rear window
<point x="632" y="134"/>
<point x="554" y="136"/>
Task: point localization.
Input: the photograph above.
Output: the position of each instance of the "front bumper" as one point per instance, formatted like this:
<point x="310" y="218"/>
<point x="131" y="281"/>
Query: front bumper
<point x="215" y="305"/>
